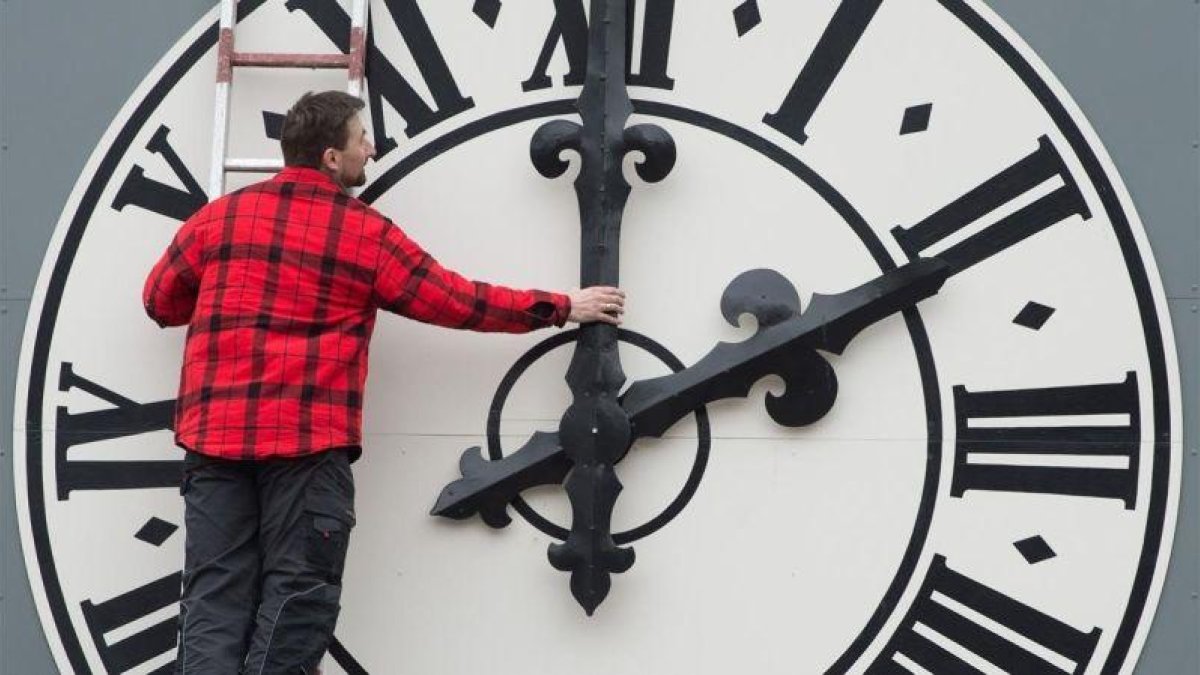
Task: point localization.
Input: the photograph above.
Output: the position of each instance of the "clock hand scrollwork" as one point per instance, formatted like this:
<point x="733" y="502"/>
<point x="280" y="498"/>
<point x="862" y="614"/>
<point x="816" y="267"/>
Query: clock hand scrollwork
<point x="487" y="487"/>
<point x="595" y="430"/>
<point x="785" y="344"/>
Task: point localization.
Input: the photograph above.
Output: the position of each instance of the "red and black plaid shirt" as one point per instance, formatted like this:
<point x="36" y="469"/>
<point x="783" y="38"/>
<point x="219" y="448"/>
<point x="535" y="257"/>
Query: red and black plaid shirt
<point x="279" y="284"/>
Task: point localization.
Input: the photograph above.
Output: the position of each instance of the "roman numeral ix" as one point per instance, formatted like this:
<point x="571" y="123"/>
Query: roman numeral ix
<point x="125" y="418"/>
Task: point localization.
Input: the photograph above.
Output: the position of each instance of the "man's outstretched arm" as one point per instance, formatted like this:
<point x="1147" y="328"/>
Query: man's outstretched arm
<point x="410" y="282"/>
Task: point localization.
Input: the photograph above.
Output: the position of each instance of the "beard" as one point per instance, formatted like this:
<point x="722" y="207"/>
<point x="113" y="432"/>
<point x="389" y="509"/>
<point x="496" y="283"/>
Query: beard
<point x="356" y="180"/>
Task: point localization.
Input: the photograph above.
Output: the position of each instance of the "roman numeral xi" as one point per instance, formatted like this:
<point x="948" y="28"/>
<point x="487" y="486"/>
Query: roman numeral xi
<point x="385" y="83"/>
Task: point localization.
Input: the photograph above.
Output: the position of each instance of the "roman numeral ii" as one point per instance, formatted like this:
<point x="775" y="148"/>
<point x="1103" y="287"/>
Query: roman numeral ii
<point x="1043" y="164"/>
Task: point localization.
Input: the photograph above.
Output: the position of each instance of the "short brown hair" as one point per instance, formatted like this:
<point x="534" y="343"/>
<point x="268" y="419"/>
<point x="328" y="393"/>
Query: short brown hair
<point x="317" y="122"/>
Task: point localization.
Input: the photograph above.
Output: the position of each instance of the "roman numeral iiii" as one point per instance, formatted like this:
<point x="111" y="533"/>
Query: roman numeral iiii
<point x="952" y="605"/>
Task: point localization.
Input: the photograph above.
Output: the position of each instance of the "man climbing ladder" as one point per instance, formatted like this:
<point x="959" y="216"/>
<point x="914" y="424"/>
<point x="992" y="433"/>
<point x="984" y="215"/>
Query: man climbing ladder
<point x="279" y="283"/>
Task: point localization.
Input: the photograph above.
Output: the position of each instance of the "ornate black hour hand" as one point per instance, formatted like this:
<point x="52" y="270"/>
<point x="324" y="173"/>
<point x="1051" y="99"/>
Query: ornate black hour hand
<point x="785" y="345"/>
<point x="487" y="487"/>
<point x="594" y="431"/>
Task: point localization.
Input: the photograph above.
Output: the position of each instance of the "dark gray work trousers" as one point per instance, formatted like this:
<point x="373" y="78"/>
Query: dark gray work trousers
<point x="262" y="576"/>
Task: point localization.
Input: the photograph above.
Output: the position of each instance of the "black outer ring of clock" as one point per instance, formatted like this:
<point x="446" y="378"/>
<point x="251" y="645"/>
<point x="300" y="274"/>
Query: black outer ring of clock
<point x="1160" y="477"/>
<point x="703" y="433"/>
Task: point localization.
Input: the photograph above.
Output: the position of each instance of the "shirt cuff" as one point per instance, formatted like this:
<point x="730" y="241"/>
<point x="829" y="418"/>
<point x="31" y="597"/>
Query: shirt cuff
<point x="562" y="309"/>
<point x="555" y="310"/>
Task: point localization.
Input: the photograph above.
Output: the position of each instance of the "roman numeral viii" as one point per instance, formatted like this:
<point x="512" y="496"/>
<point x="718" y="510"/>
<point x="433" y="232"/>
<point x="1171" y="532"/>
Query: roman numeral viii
<point x="1040" y="166"/>
<point x="1060" y="433"/>
<point x="127" y="653"/>
<point x="954" y="613"/>
<point x="125" y="418"/>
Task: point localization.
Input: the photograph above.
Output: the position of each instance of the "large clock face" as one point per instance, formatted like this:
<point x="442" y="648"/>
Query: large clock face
<point x="994" y="486"/>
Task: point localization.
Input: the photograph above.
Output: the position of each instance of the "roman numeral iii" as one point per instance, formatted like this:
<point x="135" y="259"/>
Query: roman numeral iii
<point x="1064" y="435"/>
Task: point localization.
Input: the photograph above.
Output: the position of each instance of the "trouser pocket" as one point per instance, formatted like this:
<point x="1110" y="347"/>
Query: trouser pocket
<point x="329" y="521"/>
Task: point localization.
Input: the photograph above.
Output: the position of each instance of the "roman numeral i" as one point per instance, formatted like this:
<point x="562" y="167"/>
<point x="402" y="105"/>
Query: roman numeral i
<point x="828" y="58"/>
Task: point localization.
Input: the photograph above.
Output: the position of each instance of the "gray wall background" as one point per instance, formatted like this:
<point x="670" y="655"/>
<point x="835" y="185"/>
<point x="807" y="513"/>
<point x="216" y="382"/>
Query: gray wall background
<point x="67" y="66"/>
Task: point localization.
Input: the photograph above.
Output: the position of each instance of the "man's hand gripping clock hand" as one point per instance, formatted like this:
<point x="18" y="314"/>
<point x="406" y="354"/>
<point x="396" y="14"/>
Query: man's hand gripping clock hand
<point x="597" y="303"/>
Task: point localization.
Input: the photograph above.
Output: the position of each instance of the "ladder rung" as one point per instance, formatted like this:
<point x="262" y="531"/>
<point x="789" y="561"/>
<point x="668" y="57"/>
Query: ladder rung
<point x="254" y="165"/>
<point x="261" y="60"/>
<point x="228" y="58"/>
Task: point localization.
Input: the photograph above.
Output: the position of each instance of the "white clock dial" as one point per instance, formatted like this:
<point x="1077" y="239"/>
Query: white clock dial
<point x="995" y="486"/>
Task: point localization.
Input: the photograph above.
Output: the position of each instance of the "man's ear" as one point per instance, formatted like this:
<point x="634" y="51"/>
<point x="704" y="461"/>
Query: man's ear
<point x="329" y="159"/>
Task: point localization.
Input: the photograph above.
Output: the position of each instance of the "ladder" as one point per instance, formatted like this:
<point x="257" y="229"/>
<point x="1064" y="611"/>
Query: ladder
<point x="228" y="59"/>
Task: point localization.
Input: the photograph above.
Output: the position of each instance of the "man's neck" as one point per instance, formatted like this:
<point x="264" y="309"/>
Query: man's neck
<point x="337" y="181"/>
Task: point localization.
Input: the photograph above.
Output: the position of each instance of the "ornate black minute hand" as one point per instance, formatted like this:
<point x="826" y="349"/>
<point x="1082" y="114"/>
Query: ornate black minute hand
<point x="785" y="343"/>
<point x="595" y="430"/>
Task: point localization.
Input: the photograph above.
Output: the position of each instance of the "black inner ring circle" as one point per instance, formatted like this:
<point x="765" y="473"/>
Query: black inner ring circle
<point x="496" y="452"/>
